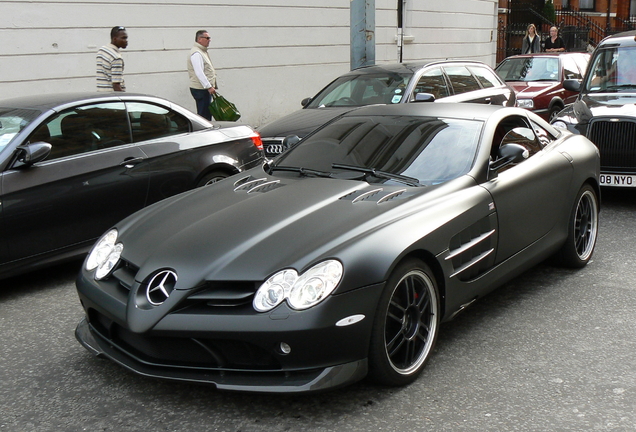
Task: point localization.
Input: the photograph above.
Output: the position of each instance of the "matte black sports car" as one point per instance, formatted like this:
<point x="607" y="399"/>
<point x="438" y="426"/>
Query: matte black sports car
<point x="342" y="257"/>
<point x="72" y="165"/>
<point x="447" y="81"/>
<point x="605" y="110"/>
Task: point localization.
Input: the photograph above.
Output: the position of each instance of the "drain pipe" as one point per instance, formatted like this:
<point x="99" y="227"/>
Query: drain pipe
<point x="400" y="28"/>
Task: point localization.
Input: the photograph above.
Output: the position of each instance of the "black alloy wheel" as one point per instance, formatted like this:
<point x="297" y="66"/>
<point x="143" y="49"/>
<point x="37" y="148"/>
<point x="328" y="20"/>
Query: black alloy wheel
<point x="406" y="325"/>
<point x="582" y="230"/>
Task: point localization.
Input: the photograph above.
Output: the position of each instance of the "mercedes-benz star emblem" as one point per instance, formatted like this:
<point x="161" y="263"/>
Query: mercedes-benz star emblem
<point x="160" y="287"/>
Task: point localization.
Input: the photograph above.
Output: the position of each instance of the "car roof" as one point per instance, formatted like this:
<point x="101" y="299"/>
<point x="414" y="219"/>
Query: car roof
<point x="441" y="109"/>
<point x="410" y="67"/>
<point x="544" y="54"/>
<point x="620" y="39"/>
<point x="43" y="102"/>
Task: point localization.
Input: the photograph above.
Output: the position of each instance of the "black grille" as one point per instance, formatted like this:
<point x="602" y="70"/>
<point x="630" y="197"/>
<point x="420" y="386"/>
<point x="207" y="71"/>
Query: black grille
<point x="173" y="351"/>
<point x="616" y="141"/>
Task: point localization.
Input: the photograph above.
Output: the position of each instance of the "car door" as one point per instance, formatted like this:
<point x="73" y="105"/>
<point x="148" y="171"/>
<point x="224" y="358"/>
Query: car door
<point x="432" y="81"/>
<point x="174" y="154"/>
<point x="464" y="83"/>
<point x="93" y="177"/>
<point x="499" y="92"/>
<point x="527" y="196"/>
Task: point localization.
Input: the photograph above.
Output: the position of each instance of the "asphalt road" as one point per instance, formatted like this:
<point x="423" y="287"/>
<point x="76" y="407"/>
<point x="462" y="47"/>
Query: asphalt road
<point x="553" y="350"/>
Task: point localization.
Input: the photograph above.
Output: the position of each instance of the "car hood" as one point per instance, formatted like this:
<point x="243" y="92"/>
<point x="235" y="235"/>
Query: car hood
<point x="301" y="122"/>
<point x="224" y="232"/>
<point x="528" y="90"/>
<point x="603" y="105"/>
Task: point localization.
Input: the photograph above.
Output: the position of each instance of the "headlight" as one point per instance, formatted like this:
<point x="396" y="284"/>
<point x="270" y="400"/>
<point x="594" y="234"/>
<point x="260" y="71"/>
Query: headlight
<point x="104" y="255"/>
<point x="301" y="292"/>
<point x="560" y="124"/>
<point x="525" y="103"/>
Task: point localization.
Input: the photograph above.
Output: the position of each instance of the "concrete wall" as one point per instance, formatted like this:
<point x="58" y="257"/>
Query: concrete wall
<point x="269" y="54"/>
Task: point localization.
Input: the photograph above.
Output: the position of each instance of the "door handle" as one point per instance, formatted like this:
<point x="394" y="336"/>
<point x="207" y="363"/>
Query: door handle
<point x="131" y="162"/>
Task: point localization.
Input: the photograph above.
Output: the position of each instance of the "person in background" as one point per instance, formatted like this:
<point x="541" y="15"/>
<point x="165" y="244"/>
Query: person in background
<point x="554" y="42"/>
<point x="531" y="43"/>
<point x="110" y="64"/>
<point x="202" y="74"/>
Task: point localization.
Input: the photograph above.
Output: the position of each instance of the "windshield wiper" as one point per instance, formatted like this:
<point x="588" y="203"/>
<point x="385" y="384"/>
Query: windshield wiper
<point x="302" y="171"/>
<point x="411" y="181"/>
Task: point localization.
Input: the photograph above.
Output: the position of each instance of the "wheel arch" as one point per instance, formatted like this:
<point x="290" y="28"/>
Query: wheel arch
<point x="429" y="259"/>
<point x="597" y="189"/>
<point x="556" y="101"/>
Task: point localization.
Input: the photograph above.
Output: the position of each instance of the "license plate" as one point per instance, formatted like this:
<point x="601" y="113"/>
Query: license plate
<point x="621" y="180"/>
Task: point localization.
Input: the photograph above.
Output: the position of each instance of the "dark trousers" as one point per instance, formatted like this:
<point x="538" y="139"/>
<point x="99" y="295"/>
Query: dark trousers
<point x="203" y="99"/>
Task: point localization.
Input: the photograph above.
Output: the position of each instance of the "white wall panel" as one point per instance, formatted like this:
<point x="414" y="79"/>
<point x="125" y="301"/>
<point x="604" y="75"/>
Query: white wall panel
<point x="269" y="54"/>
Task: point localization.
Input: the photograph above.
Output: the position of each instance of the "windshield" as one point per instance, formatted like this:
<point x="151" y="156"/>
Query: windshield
<point x="364" y="89"/>
<point x="431" y="150"/>
<point x="529" y="69"/>
<point x="613" y="70"/>
<point x="12" y="121"/>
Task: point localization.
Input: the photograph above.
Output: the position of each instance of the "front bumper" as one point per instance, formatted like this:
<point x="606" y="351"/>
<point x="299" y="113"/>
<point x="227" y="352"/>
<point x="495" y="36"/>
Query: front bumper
<point x="262" y="382"/>
<point x="230" y="347"/>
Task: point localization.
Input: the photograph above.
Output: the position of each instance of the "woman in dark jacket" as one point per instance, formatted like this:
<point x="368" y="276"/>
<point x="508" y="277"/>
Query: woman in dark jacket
<point x="531" y="42"/>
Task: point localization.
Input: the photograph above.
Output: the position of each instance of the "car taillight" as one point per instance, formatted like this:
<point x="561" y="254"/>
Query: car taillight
<point x="256" y="139"/>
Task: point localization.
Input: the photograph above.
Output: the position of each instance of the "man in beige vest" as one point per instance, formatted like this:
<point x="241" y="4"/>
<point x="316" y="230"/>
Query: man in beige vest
<point x="202" y="74"/>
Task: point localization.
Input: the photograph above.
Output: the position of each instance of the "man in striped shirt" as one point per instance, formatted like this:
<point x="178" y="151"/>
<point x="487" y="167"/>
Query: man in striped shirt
<point x="110" y="64"/>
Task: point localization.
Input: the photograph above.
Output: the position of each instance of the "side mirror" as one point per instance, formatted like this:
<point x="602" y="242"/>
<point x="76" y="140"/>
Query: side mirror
<point x="305" y="101"/>
<point x="424" y="97"/>
<point x="290" y="141"/>
<point x="509" y="154"/>
<point x="33" y="153"/>
<point x="572" y="85"/>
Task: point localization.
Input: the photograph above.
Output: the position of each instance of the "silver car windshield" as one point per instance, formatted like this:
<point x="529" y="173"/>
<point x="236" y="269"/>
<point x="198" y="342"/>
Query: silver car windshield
<point x="363" y="89"/>
<point x="429" y="149"/>
<point x="529" y="69"/>
<point x="12" y="121"/>
<point x="613" y="70"/>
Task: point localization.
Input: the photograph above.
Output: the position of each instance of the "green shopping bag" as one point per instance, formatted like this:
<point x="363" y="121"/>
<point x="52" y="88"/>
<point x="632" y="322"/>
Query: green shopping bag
<point x="222" y="109"/>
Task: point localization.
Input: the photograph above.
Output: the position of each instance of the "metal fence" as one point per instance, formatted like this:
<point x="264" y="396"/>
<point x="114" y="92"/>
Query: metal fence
<point x="576" y="28"/>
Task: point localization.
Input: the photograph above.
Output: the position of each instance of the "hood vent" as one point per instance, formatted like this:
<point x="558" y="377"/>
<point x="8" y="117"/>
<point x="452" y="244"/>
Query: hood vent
<point x="377" y="196"/>
<point x="250" y="184"/>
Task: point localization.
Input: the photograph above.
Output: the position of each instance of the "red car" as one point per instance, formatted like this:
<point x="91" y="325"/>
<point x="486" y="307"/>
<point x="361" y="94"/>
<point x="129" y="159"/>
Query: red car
<point x="538" y="79"/>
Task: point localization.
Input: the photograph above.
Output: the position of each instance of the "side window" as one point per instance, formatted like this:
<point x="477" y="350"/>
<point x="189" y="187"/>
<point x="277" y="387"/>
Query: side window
<point x="461" y="79"/>
<point x="150" y="121"/>
<point x="486" y="78"/>
<point x="433" y="82"/>
<point x="544" y="136"/>
<point x="570" y="70"/>
<point x="83" y="129"/>
<point x="515" y="129"/>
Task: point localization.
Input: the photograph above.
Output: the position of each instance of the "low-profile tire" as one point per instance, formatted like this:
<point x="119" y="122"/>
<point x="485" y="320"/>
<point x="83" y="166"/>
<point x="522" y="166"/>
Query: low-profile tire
<point x="582" y="230"/>
<point x="212" y="177"/>
<point x="405" y="326"/>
